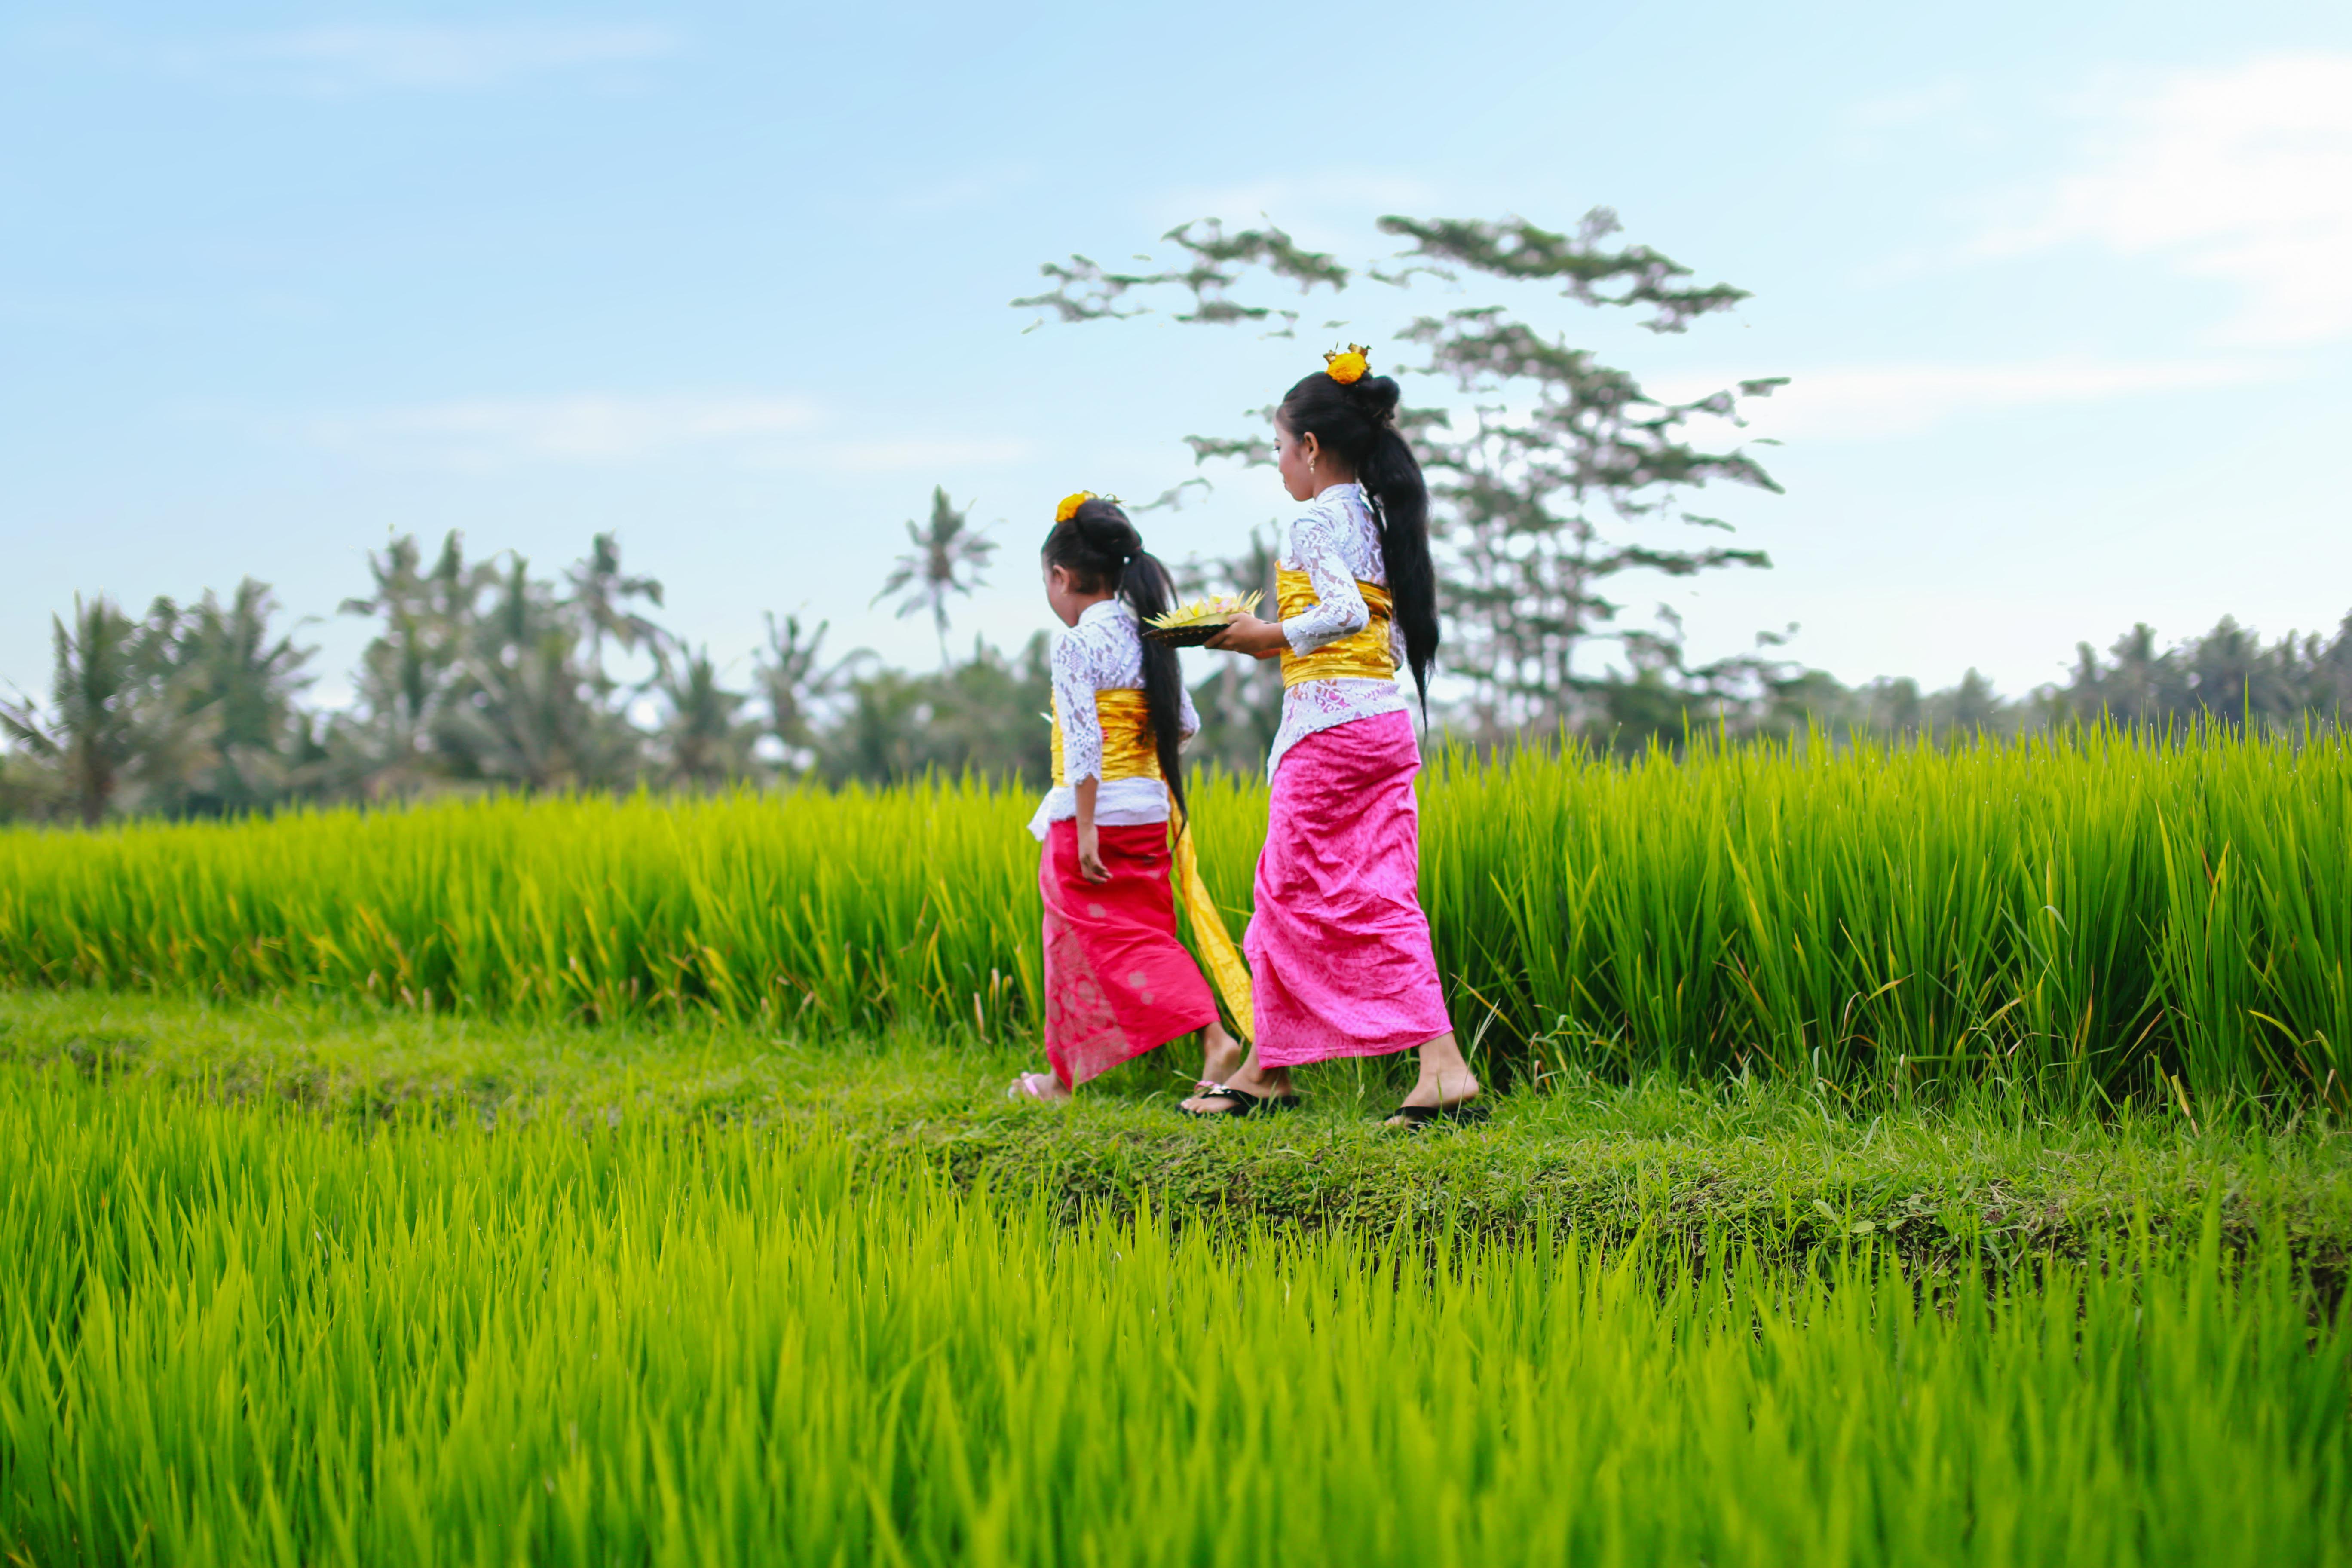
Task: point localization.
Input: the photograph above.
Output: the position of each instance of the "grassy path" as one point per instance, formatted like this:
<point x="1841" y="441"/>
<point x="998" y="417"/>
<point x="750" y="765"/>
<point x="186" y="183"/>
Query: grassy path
<point x="1766" y="1167"/>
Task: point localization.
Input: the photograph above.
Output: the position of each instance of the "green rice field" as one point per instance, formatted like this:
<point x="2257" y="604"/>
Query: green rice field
<point x="1900" y="1156"/>
<point x="2077" y="917"/>
<point x="236" y="1331"/>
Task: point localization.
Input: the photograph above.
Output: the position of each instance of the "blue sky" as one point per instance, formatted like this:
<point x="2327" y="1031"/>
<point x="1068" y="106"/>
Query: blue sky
<point x="2065" y="291"/>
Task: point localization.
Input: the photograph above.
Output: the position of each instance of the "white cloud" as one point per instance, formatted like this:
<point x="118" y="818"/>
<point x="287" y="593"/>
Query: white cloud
<point x="2241" y="173"/>
<point x="1871" y="402"/>
<point x="360" y="58"/>
<point x="579" y="428"/>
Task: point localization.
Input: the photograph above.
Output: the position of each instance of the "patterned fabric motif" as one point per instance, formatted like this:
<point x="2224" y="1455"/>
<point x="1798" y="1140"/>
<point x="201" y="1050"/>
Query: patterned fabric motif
<point x="1335" y="541"/>
<point x="1339" y="948"/>
<point x="1118" y="983"/>
<point x="1103" y="652"/>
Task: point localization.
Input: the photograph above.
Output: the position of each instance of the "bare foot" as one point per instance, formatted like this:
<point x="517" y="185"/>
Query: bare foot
<point x="1221" y="1055"/>
<point x="1038" y="1086"/>
<point x="1445" y="1082"/>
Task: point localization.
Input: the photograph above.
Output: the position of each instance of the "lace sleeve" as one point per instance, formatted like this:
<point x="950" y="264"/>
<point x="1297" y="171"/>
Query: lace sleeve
<point x="1188" y="718"/>
<point x="1315" y="547"/>
<point x="1074" y="704"/>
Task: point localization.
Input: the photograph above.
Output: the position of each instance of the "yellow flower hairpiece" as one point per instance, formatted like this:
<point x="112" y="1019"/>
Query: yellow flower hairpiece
<point x="1350" y="367"/>
<point x="1070" y="504"/>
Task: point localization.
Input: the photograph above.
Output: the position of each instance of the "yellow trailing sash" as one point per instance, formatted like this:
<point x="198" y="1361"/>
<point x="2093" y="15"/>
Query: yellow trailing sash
<point x="1362" y="656"/>
<point x="1128" y="752"/>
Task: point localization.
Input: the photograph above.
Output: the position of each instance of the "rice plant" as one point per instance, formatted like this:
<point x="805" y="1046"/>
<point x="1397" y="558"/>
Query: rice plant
<point x="235" y="1334"/>
<point x="2074" y="915"/>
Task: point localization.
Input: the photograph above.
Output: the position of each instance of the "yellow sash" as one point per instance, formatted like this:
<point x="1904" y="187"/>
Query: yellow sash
<point x="1128" y="752"/>
<point x="1362" y="655"/>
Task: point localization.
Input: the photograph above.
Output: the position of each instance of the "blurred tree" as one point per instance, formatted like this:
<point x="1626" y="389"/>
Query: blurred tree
<point x="796" y="687"/>
<point x="1560" y="456"/>
<point x="482" y="673"/>
<point x="94" y="731"/>
<point x="2228" y="674"/>
<point x="986" y="716"/>
<point x="989" y="714"/>
<point x="407" y="671"/>
<point x="945" y="550"/>
<point x="528" y="707"/>
<point x="1240" y="702"/>
<point x="703" y="741"/>
<point x="600" y="595"/>
<point x="237" y="687"/>
<point x="881" y="732"/>
<point x="31" y="789"/>
<point x="1972" y="706"/>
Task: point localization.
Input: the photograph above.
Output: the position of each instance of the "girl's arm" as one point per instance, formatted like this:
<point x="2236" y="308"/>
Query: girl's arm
<point x="1090" y="864"/>
<point x="1074" y="700"/>
<point x="1074" y="704"/>
<point x="1340" y="611"/>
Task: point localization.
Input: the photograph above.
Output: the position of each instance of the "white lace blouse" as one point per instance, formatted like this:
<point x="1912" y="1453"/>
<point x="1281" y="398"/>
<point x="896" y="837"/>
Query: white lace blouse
<point x="1104" y="652"/>
<point x="1335" y="542"/>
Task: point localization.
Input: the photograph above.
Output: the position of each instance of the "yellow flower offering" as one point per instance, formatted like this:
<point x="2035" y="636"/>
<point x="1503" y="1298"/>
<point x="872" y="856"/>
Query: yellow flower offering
<point x="1190" y="625"/>
<point x="1350" y="367"/>
<point x="1070" y="504"/>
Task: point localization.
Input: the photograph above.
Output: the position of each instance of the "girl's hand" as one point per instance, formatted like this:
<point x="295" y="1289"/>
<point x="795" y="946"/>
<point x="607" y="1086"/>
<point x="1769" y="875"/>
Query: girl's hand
<point x="1249" y="634"/>
<point x="1090" y="864"/>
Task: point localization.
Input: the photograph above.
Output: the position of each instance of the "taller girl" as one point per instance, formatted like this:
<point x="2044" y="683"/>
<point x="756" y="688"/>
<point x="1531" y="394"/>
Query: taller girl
<point x="1339" y="947"/>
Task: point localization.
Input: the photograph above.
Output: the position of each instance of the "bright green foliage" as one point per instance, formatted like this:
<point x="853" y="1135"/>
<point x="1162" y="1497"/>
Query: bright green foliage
<point x="2086" y="913"/>
<point x="235" y="1334"/>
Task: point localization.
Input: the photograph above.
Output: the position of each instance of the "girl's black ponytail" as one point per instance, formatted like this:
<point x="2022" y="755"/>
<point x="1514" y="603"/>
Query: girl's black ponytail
<point x="1101" y="549"/>
<point x="1356" y="422"/>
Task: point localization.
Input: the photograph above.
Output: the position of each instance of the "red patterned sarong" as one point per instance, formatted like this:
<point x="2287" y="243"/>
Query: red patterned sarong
<point x="1118" y="983"/>
<point x="1339" y="947"/>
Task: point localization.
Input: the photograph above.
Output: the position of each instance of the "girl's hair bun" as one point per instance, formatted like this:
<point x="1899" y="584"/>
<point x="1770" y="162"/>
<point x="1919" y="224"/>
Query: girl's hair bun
<point x="1377" y="395"/>
<point x="1103" y="527"/>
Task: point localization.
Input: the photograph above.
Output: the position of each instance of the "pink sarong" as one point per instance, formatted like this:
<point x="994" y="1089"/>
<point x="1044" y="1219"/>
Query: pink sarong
<point x="1118" y="983"/>
<point x="1339" y="947"/>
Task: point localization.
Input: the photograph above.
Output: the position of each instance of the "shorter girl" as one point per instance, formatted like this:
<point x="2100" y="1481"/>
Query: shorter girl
<point x="1118" y="983"/>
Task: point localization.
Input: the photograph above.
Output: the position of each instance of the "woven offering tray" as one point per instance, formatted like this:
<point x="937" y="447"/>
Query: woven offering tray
<point x="1192" y="635"/>
<point x="1190" y="625"/>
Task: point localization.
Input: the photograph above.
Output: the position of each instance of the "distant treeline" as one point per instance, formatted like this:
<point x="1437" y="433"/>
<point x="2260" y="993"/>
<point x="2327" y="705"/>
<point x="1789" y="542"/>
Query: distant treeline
<point x="483" y="676"/>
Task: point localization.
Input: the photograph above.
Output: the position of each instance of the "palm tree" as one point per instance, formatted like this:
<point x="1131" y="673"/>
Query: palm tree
<point x="704" y="740"/>
<point x="92" y="731"/>
<point x="218" y="665"/>
<point x="794" y="678"/>
<point x="526" y="708"/>
<point x="601" y="592"/>
<point x="408" y="671"/>
<point x="935" y="568"/>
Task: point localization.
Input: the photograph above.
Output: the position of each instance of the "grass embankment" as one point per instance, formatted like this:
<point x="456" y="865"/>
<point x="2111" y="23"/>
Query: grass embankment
<point x="1760" y="1164"/>
<point x="237" y="1331"/>
<point x="2070" y="919"/>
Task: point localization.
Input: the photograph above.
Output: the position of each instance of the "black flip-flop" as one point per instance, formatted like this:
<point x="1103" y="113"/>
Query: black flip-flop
<point x="1469" y="1113"/>
<point x="1244" y="1102"/>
